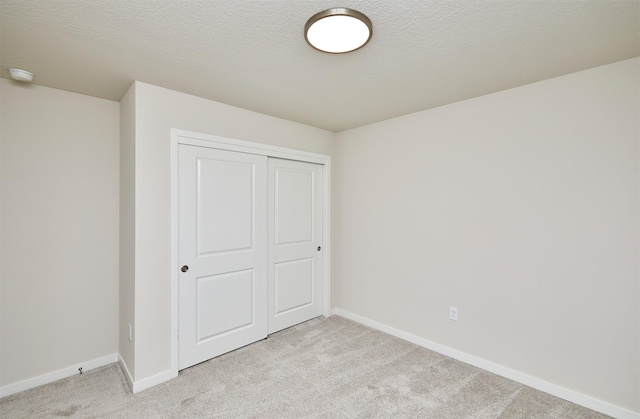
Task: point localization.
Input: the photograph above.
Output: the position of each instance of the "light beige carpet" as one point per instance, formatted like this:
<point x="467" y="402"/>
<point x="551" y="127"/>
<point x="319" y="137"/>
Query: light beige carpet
<point x="324" y="368"/>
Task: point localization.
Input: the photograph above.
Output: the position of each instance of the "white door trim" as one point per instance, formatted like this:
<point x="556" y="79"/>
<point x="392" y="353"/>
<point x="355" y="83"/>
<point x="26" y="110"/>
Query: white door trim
<point x="179" y="136"/>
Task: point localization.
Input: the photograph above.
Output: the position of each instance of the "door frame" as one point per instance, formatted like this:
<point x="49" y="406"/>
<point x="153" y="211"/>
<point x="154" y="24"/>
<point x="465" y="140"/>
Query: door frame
<point x="179" y="136"/>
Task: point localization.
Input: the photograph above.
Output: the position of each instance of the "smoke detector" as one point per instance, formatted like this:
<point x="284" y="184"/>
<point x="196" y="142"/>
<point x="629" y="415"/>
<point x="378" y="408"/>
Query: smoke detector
<point x="21" y="75"/>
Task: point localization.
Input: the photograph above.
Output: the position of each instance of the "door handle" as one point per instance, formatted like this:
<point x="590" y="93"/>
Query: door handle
<point x="184" y="268"/>
<point x="319" y="248"/>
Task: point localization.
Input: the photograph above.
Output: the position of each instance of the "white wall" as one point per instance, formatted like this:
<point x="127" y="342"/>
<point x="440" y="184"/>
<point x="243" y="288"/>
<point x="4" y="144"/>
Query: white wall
<point x="157" y="110"/>
<point x="521" y="208"/>
<point x="59" y="220"/>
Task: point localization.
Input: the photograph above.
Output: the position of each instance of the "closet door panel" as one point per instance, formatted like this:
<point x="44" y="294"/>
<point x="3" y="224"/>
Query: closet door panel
<point x="295" y="242"/>
<point x="222" y="242"/>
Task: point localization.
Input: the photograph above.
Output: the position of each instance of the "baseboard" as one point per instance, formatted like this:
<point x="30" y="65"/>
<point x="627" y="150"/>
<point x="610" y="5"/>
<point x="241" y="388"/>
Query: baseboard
<point x="138" y="386"/>
<point x="57" y="375"/>
<point x="538" y="384"/>
<point x="149" y="382"/>
<point x="125" y="370"/>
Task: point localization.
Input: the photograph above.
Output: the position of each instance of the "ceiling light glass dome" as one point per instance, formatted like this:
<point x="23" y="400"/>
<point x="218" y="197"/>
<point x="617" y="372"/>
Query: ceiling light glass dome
<point x="338" y="30"/>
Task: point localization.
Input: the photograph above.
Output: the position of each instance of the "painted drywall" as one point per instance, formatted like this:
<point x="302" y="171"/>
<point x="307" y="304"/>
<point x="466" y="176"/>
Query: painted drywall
<point x="157" y="110"/>
<point x="127" y="232"/>
<point x="520" y="208"/>
<point x="59" y="218"/>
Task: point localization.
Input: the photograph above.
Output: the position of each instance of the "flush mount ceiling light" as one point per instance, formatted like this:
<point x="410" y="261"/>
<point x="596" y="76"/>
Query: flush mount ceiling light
<point x="338" y="30"/>
<point x="21" y="75"/>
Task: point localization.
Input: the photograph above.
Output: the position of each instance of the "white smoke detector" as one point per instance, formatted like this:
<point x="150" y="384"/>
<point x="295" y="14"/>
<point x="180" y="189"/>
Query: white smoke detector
<point x="21" y="75"/>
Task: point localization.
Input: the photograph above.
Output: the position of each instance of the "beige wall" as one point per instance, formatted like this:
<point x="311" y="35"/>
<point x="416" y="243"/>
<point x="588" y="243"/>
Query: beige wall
<point x="521" y="208"/>
<point x="127" y="230"/>
<point x="59" y="220"/>
<point x="157" y="110"/>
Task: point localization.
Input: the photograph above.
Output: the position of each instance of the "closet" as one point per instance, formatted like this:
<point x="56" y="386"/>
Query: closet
<point x="250" y="247"/>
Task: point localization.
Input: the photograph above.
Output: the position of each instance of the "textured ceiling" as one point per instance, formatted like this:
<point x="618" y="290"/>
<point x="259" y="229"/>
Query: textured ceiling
<point x="252" y="53"/>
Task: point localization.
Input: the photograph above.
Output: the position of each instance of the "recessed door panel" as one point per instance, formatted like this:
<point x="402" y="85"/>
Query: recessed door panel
<point x="294" y="190"/>
<point x="293" y="285"/>
<point x="225" y="209"/>
<point x="222" y="247"/>
<point x="295" y="242"/>
<point x="224" y="304"/>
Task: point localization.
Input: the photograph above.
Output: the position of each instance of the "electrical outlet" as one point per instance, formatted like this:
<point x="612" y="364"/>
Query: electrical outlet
<point x="453" y="313"/>
<point x="130" y="333"/>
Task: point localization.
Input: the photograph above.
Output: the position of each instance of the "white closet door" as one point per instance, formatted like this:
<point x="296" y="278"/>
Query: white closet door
<point x="222" y="290"/>
<point x="295" y="240"/>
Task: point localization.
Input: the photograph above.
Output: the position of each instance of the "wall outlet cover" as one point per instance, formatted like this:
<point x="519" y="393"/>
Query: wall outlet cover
<point x="453" y="313"/>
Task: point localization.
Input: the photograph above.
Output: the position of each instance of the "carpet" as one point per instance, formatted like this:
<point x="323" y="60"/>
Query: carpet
<point x="323" y="368"/>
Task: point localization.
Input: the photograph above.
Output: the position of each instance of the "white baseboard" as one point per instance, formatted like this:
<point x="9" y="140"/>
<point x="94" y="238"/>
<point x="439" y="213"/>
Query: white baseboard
<point x="138" y="386"/>
<point x="149" y="382"/>
<point x="125" y="370"/>
<point x="538" y="384"/>
<point x="56" y="375"/>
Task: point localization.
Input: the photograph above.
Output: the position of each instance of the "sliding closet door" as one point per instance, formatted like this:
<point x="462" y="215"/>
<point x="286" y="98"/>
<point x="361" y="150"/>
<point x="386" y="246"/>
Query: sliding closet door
<point x="222" y="289"/>
<point x="295" y="242"/>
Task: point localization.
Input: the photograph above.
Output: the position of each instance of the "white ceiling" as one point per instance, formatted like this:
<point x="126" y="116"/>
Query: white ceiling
<point x="252" y="53"/>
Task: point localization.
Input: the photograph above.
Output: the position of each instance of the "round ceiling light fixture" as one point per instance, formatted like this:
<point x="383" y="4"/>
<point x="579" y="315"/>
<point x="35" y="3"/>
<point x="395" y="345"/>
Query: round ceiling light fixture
<point x="21" y="75"/>
<point x="338" y="30"/>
